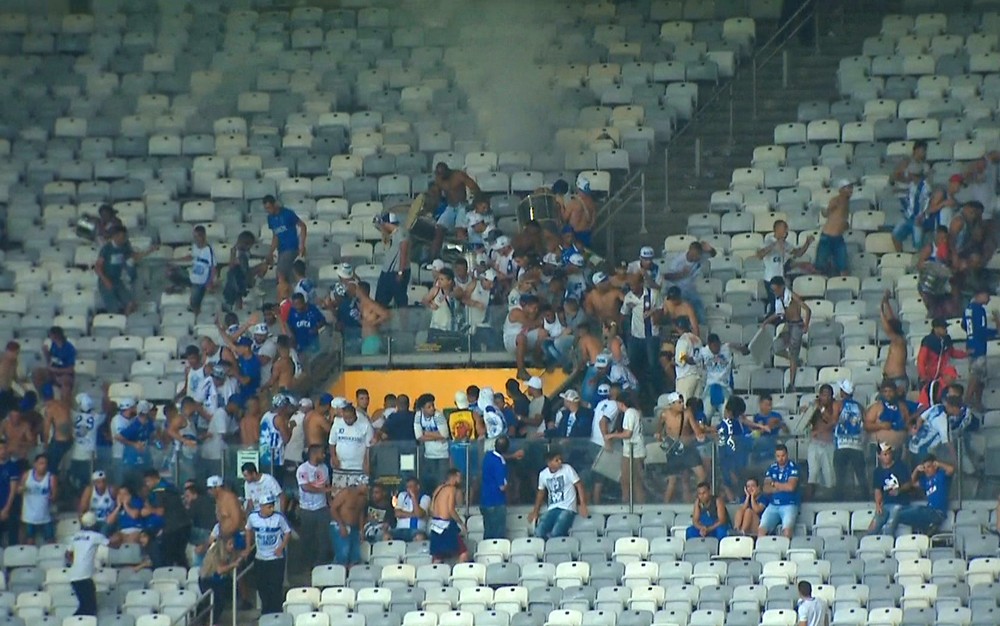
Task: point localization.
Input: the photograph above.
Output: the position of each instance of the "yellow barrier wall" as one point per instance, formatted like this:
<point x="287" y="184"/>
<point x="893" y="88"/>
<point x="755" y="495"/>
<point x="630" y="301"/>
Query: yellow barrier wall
<point x="442" y="383"/>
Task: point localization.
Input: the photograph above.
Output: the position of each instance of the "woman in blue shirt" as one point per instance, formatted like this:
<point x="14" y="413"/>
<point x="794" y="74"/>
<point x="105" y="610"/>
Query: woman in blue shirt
<point x="126" y="516"/>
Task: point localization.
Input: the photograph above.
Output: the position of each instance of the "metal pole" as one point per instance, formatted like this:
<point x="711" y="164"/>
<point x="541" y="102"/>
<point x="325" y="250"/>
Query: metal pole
<point x="697" y="157"/>
<point x="732" y="114"/>
<point x="816" y="26"/>
<point x="234" y="607"/>
<point x="631" y="486"/>
<point x="753" y="89"/>
<point x="960" y="453"/>
<point x="642" y="202"/>
<point x="666" y="179"/>
<point x="784" y="69"/>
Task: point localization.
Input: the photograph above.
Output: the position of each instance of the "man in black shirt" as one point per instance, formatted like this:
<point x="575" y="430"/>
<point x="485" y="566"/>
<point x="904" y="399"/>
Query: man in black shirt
<point x="519" y="402"/>
<point x="201" y="509"/>
<point x="165" y="501"/>
<point x="399" y="425"/>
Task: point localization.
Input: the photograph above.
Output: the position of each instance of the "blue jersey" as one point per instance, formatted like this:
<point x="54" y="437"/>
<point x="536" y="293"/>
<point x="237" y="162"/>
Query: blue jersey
<point x="731" y="435"/>
<point x="284" y="225"/>
<point x="892" y="415"/>
<point x="349" y="313"/>
<point x="783" y="474"/>
<point x="305" y="325"/>
<point x="936" y="489"/>
<point x="138" y="430"/>
<point x="849" y="431"/>
<point x="763" y="420"/>
<point x="976" y="324"/>
<point x="62" y="356"/>
<point x="933" y="431"/>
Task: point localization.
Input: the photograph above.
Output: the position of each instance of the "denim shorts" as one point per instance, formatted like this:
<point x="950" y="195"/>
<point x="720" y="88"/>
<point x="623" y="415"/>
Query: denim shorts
<point x="786" y="514"/>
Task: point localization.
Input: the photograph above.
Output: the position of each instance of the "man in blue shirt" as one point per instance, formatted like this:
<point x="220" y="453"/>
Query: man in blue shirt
<point x="976" y="322"/>
<point x="781" y="483"/>
<point x="304" y="322"/>
<point x="890" y="481"/>
<point x="493" y="501"/>
<point x="934" y="479"/>
<point x="767" y="425"/>
<point x="60" y="355"/>
<point x="288" y="239"/>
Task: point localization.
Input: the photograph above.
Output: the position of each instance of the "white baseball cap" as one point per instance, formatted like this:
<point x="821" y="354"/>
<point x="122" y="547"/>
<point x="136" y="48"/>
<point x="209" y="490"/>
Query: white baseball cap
<point x="98" y="475"/>
<point x="490" y="275"/>
<point x="88" y="519"/>
<point x="261" y="329"/>
<point x="577" y="260"/>
<point x="646" y="252"/>
<point x="213" y="482"/>
<point x="475" y="218"/>
<point x="461" y="400"/>
<point x="583" y="183"/>
<point x="535" y="383"/>
<point x="338" y="402"/>
<point x="604" y="389"/>
<point x="126" y="403"/>
<point x="437" y="265"/>
<point x="551" y="258"/>
<point x="502" y="242"/>
<point x="844" y="182"/>
<point x="345" y="271"/>
<point x="602" y="360"/>
<point x="306" y="403"/>
<point x="599" y="278"/>
<point x="846" y="386"/>
<point x="144" y="407"/>
<point x="570" y="395"/>
<point x="85" y="402"/>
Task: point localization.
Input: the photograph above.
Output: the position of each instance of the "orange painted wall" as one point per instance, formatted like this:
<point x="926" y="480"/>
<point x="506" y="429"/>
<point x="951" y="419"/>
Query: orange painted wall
<point x="442" y="383"/>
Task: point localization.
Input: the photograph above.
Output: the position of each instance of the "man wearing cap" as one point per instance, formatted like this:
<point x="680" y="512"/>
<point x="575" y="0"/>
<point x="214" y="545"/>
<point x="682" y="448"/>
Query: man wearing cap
<point x="395" y="277"/>
<point x="674" y="435"/>
<point x="81" y="555"/>
<point x="603" y="301"/>
<point x="98" y="497"/>
<point x="934" y="367"/>
<point x="258" y="487"/>
<point x="268" y="531"/>
<point x="539" y="409"/>
<point x="890" y="484"/>
<point x="831" y="251"/>
<point x="576" y="279"/>
<point x="684" y="270"/>
<point x="646" y="268"/>
<point x="776" y="254"/>
<point x="313" y="478"/>
<point x="288" y="237"/>
<point x="275" y="433"/>
<point x="264" y="347"/>
<point x="848" y="436"/>
<point x="573" y="420"/>
<point x="477" y="300"/>
<point x="230" y="515"/>
<point x="580" y="210"/>
<point x="976" y="323"/>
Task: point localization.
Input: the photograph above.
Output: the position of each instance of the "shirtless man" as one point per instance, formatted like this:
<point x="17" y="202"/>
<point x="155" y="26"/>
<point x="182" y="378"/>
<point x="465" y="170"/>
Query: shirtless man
<point x="831" y="251"/>
<point x="446" y="525"/>
<point x="894" y="368"/>
<point x="57" y="430"/>
<point x="673" y="428"/>
<point x="791" y="310"/>
<point x="603" y="301"/>
<point x="373" y="316"/>
<point x="9" y="387"/>
<point x="579" y="211"/>
<point x="318" y="423"/>
<point x="20" y="437"/>
<point x="968" y="241"/>
<point x="588" y="344"/>
<point x="825" y="414"/>
<point x="348" y="511"/>
<point x="228" y="512"/>
<point x="282" y="368"/>
<point x="451" y="188"/>
<point x="674" y="308"/>
<point x="250" y="424"/>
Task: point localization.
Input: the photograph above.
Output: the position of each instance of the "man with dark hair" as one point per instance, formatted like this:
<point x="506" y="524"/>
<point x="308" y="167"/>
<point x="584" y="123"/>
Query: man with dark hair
<point x="560" y="485"/>
<point x="710" y="518"/>
<point x="430" y="429"/>
<point x="304" y="323"/>
<point x="781" y="482"/>
<point x="446" y="524"/>
<point x="313" y="478"/>
<point x="288" y="238"/>
<point x="792" y="311"/>
<point x="810" y="611"/>
<point x="60" y="356"/>
<point x="165" y="503"/>
<point x="894" y="368"/>
<point x="890" y="482"/>
<point x="933" y="477"/>
<point x="393" y="282"/>
<point x="493" y="500"/>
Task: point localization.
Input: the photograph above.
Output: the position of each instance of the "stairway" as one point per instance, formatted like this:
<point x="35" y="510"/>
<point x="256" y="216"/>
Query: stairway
<point x="811" y="76"/>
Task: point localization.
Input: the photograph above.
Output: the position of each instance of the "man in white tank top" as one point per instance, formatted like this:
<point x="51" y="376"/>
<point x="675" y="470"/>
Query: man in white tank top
<point x="38" y="493"/>
<point x="86" y="422"/>
<point x="98" y="498"/>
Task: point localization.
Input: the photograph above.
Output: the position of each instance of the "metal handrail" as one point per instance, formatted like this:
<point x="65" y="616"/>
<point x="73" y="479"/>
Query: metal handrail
<point x="807" y="14"/>
<point x="194" y="613"/>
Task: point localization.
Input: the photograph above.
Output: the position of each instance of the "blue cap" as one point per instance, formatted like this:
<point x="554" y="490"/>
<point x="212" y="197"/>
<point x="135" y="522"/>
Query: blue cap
<point x="244" y="341"/>
<point x="325" y="399"/>
<point x="28" y="402"/>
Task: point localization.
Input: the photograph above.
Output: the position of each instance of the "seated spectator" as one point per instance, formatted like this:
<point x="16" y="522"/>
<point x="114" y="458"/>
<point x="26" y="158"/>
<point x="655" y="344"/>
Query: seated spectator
<point x="523" y="332"/>
<point x="559" y="485"/>
<point x="747" y="521"/>
<point x="781" y="483"/>
<point x="126" y="517"/>
<point x="710" y="516"/>
<point x="380" y="522"/>
<point x="890" y="484"/>
<point x="411" y="511"/>
<point x="933" y="477"/>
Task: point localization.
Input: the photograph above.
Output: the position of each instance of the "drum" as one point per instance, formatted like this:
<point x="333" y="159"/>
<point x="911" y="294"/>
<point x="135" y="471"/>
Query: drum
<point x="423" y="229"/>
<point x="541" y="207"/>
<point x="86" y="227"/>
<point x="935" y="280"/>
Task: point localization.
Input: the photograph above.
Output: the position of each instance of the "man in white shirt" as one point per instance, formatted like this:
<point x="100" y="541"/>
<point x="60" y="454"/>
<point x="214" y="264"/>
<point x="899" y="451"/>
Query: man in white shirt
<point x="412" y="509"/>
<point x="350" y="439"/>
<point x="687" y="374"/>
<point x="86" y="422"/>
<point x="633" y="452"/>
<point x="642" y="308"/>
<point x="605" y="414"/>
<point x="203" y="272"/>
<point x="265" y="347"/>
<point x="646" y="268"/>
<point x="126" y="413"/>
<point x="194" y="377"/>
<point x="717" y="359"/>
<point x="313" y="479"/>
<point x="684" y="270"/>
<point x="430" y="429"/>
<point x="214" y="443"/>
<point x="560" y="485"/>
<point x="82" y="551"/>
<point x="259" y="487"/>
<point x="811" y="611"/>
<point x="295" y="448"/>
<point x="776" y="253"/>
<point x="269" y="532"/>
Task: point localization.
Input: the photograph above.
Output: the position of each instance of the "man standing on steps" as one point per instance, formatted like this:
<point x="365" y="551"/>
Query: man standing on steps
<point x="831" y="251"/>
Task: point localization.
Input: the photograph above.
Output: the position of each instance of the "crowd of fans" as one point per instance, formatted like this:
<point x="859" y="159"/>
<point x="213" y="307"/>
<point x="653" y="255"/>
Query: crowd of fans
<point x="633" y="334"/>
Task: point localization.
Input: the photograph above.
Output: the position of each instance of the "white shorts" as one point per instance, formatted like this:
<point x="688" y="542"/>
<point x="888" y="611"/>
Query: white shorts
<point x="820" y="459"/>
<point x="510" y="341"/>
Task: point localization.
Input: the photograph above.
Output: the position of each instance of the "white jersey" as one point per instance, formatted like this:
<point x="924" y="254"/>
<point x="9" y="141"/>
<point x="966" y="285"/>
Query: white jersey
<point x="118" y="423"/>
<point x="268" y="533"/>
<point x="265" y="486"/>
<point x="606" y="409"/>
<point x="35" y="508"/>
<point x="351" y="442"/>
<point x="85" y="426"/>
<point x="718" y="367"/>
<point x="202" y="262"/>
<point x="775" y="259"/>
<point x="476" y="316"/>
<point x="267" y="349"/>
<point x="101" y="503"/>
<point x="195" y="378"/>
<point x="297" y="442"/>
<point x="553" y="328"/>
<point x="218" y="426"/>
<point x="639" y="308"/>
<point x="308" y="474"/>
<point x="687" y="346"/>
<point x="84" y="544"/>
<point x="272" y="448"/>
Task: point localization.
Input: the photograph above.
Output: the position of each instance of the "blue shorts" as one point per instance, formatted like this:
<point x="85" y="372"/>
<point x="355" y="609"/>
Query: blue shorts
<point x="785" y="514"/>
<point x="908" y="228"/>
<point x="831" y="255"/>
<point x="45" y="532"/>
<point x="447" y="544"/>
